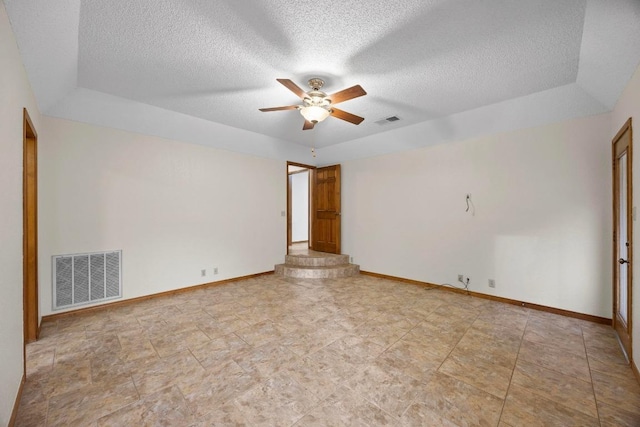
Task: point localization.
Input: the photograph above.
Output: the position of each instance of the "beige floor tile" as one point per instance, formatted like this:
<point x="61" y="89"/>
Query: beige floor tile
<point x="569" y="391"/>
<point x="448" y="400"/>
<point x="567" y="342"/>
<point x="386" y="387"/>
<point x="478" y="372"/>
<point x="212" y="391"/>
<point x="219" y="351"/>
<point x="310" y="375"/>
<point x="617" y="392"/>
<point x="498" y="350"/>
<point x="266" y="360"/>
<point x="136" y="345"/>
<point x="261" y="333"/>
<point x="279" y="400"/>
<point x="66" y="377"/>
<point x="613" y="369"/>
<point x="609" y="355"/>
<point x="33" y="407"/>
<point x="525" y="408"/>
<point x="167" y="343"/>
<point x="225" y="415"/>
<point x="165" y="407"/>
<point x="87" y="404"/>
<point x="413" y="358"/>
<point x="611" y="416"/>
<point x="345" y="408"/>
<point x="153" y="374"/>
<point x="555" y="359"/>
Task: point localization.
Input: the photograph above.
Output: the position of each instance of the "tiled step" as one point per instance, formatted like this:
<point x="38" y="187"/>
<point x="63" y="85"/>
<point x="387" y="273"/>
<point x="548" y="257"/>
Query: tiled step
<point x="326" y="260"/>
<point x="317" y="265"/>
<point x="324" y="272"/>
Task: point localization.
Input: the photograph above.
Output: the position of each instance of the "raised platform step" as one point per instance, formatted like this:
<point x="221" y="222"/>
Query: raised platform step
<point x="316" y="260"/>
<point x="317" y="265"/>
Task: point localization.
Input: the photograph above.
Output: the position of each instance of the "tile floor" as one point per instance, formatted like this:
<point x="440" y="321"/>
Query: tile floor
<point x="358" y="351"/>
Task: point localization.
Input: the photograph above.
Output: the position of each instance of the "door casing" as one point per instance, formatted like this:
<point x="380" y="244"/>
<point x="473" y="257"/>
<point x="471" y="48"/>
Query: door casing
<point x="30" y="230"/>
<point x="619" y="147"/>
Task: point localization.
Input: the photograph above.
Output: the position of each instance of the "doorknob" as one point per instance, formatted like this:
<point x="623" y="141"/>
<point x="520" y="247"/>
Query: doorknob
<point x="623" y="261"/>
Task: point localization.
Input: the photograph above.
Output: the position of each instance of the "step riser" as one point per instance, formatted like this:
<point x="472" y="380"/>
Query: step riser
<point x="304" y="261"/>
<point x="326" y="273"/>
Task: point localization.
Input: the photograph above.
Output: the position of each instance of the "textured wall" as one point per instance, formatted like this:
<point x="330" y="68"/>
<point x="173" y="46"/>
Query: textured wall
<point x="15" y="94"/>
<point x="539" y="224"/>
<point x="173" y="208"/>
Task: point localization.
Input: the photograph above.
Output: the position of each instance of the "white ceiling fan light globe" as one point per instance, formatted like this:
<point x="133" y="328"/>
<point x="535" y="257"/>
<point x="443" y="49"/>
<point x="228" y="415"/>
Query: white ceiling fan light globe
<point x="314" y="114"/>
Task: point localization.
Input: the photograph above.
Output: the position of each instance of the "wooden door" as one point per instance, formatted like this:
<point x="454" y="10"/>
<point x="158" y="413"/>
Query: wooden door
<point x="326" y="210"/>
<point x="30" y="230"/>
<point x="622" y="236"/>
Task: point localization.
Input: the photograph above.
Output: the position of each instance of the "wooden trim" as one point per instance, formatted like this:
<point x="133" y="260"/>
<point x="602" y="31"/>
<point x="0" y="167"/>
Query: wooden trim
<point x="300" y="165"/>
<point x="297" y="172"/>
<point x="300" y="241"/>
<point x="16" y="404"/>
<point x="30" y="228"/>
<point x="567" y="313"/>
<point x="110" y="305"/>
<point x="634" y="368"/>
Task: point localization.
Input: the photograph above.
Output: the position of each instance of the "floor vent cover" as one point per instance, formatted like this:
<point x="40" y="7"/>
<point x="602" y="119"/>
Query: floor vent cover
<point x="86" y="278"/>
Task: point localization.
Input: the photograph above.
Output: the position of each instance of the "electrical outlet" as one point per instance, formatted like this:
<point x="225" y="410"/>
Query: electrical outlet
<point x="492" y="283"/>
<point x="461" y="278"/>
<point x="203" y="273"/>
<point x="215" y="270"/>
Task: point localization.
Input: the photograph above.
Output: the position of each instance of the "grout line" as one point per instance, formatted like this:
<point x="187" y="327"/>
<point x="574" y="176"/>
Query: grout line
<point x="524" y="330"/>
<point x="593" y="389"/>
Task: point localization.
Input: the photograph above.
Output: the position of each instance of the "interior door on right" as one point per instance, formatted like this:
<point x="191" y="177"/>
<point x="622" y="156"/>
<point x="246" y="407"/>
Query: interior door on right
<point x="326" y="210"/>
<point x="622" y="236"/>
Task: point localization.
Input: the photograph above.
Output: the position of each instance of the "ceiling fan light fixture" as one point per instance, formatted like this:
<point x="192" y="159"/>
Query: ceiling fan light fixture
<point x="314" y="113"/>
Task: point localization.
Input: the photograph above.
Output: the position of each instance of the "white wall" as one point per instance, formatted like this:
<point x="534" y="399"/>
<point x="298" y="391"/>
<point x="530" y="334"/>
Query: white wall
<point x="174" y="208"/>
<point x="300" y="206"/>
<point x="15" y="94"/>
<point x="629" y="106"/>
<point x="541" y="225"/>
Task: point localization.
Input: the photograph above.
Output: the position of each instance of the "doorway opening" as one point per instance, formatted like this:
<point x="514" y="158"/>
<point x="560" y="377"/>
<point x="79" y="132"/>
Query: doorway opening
<point x="299" y="226"/>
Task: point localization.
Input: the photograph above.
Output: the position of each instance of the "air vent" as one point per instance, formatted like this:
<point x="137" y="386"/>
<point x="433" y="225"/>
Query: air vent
<point x="388" y="120"/>
<point x="86" y="278"/>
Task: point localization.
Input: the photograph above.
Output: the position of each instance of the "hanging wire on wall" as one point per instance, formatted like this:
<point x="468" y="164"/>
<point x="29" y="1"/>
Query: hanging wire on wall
<point x="470" y="206"/>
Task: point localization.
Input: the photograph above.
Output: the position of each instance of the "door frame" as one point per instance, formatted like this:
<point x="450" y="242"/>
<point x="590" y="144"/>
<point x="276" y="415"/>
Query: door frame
<point x="31" y="328"/>
<point x="289" y="201"/>
<point x="626" y="341"/>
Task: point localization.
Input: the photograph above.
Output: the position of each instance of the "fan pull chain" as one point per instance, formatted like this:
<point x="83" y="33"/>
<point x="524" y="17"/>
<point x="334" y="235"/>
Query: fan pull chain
<point x="313" y="143"/>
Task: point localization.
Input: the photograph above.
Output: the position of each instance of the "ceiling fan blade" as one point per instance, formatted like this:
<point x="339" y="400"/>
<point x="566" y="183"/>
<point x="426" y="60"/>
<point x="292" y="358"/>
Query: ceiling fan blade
<point x="347" y="94"/>
<point x="348" y="117"/>
<point x="293" y="87"/>
<point x="308" y="125"/>
<point x="288" y="107"/>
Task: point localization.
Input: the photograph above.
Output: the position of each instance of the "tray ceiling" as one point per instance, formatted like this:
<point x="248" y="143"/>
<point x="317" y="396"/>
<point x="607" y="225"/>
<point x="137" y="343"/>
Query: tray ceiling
<point x="216" y="62"/>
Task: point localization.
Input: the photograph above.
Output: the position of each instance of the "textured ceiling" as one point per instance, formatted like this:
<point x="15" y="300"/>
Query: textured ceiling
<point x="423" y="61"/>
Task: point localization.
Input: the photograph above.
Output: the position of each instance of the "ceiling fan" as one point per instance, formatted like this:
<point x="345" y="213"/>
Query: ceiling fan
<point x="317" y="105"/>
